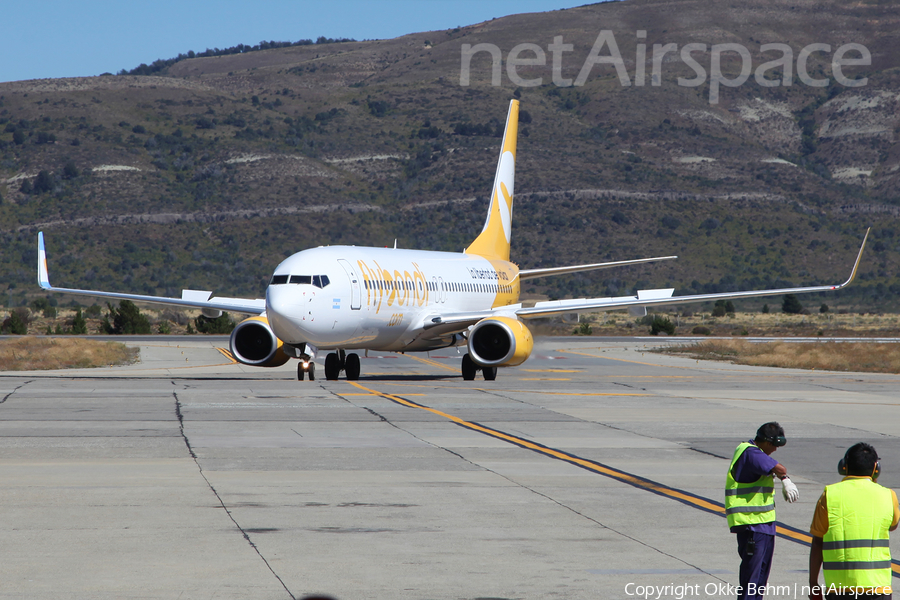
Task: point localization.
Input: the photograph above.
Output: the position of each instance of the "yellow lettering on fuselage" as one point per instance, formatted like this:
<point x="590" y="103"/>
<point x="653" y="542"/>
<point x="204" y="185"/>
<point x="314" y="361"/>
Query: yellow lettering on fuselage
<point x="406" y="289"/>
<point x="409" y="288"/>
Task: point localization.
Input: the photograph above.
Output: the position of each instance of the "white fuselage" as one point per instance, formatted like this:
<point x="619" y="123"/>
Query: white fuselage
<point x="380" y="298"/>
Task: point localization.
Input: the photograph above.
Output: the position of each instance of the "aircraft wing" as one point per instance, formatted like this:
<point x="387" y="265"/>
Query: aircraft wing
<point x="444" y="324"/>
<point x="664" y="297"/>
<point x="189" y="298"/>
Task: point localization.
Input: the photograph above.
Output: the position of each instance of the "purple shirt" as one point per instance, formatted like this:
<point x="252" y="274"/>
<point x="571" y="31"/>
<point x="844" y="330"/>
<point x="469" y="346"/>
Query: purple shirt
<point x="752" y="465"/>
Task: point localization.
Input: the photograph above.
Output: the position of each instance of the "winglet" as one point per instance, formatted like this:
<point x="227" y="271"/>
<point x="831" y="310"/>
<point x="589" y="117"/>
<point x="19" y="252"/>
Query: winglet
<point x="43" y="277"/>
<point x="856" y="265"/>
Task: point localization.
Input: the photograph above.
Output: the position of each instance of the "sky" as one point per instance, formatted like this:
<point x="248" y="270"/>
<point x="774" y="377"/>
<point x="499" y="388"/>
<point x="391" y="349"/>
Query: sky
<point x="62" y="38"/>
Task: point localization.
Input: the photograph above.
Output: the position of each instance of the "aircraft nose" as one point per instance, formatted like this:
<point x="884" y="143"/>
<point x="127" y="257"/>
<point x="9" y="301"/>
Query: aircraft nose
<point x="291" y="311"/>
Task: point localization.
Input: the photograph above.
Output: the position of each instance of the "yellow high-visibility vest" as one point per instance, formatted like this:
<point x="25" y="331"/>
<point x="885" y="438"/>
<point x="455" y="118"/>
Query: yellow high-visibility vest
<point x="748" y="503"/>
<point x="855" y="550"/>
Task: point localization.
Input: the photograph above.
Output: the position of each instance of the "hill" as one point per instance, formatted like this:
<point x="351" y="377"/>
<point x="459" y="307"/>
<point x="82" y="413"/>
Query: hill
<point x="208" y="173"/>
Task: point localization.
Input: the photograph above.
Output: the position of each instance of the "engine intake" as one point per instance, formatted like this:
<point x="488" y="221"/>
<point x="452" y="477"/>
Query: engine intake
<point x="254" y="343"/>
<point x="500" y="342"/>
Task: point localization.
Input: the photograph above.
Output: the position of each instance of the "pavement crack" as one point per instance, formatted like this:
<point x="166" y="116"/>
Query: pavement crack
<point x="212" y="488"/>
<point x="536" y="492"/>
<point x="16" y="389"/>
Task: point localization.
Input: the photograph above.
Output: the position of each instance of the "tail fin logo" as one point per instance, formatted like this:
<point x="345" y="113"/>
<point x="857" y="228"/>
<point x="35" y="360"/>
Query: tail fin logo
<point x="494" y="239"/>
<point x="507" y="167"/>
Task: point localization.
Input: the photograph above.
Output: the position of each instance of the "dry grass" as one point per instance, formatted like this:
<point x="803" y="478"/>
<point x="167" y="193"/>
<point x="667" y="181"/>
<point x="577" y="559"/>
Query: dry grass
<point x="44" y="354"/>
<point x="827" y="356"/>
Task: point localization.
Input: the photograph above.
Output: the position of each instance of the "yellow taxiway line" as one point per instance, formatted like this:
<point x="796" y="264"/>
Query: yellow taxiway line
<point x="687" y="498"/>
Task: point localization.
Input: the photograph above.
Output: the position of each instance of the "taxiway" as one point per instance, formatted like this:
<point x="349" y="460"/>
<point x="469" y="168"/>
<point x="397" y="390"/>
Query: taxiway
<point x="594" y="468"/>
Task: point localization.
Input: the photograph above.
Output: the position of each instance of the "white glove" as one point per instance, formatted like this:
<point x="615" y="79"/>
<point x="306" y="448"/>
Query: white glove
<point x="789" y="490"/>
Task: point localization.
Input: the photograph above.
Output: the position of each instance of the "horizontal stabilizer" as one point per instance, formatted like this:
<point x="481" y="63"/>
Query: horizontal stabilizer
<point x="532" y="273"/>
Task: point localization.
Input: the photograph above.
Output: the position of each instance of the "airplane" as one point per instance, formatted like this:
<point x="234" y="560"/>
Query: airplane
<point x="342" y="298"/>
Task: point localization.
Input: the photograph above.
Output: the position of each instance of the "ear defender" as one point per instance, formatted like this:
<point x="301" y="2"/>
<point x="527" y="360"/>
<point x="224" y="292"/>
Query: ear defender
<point x="778" y="441"/>
<point x="843" y="470"/>
<point x="842" y="466"/>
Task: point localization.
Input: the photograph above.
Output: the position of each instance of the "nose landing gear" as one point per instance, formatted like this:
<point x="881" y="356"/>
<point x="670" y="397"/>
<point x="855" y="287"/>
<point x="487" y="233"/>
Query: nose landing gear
<point x="306" y="366"/>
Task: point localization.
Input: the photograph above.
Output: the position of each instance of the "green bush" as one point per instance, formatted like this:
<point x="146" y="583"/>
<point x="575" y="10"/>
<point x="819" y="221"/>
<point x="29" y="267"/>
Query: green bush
<point x="220" y="325"/>
<point x="127" y="319"/>
<point x="79" y="325"/>
<point x="661" y="324"/>
<point x="701" y="330"/>
<point x="17" y="322"/>
<point x="791" y="305"/>
<point x="583" y="328"/>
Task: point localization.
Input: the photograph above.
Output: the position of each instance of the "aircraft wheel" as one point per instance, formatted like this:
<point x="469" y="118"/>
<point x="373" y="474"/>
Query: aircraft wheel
<point x="312" y="371"/>
<point x="490" y="373"/>
<point x="300" y="371"/>
<point x="332" y="366"/>
<point x="351" y="367"/>
<point x="468" y="368"/>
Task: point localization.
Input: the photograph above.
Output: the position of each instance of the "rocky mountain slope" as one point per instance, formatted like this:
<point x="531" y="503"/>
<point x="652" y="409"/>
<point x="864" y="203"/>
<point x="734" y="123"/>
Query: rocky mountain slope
<point x="206" y="174"/>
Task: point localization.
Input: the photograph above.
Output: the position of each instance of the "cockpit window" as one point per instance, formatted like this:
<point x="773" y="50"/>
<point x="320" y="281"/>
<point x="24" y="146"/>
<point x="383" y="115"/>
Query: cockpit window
<point x="319" y="281"/>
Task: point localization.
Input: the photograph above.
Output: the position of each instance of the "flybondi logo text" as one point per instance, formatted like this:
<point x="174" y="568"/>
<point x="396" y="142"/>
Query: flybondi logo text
<point x="779" y="71"/>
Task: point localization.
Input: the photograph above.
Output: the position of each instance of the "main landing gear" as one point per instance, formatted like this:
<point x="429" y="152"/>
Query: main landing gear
<point x="469" y="368"/>
<point x="335" y="362"/>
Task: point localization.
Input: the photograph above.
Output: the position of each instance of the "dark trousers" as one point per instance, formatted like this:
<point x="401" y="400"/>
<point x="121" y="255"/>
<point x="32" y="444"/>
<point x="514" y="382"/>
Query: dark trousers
<point x="754" y="568"/>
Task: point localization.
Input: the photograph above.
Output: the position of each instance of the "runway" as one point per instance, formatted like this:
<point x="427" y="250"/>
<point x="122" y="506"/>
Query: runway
<point x="591" y="471"/>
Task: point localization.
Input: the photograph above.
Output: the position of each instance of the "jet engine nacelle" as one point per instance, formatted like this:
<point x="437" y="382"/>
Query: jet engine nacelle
<point x="254" y="343"/>
<point x="500" y="342"/>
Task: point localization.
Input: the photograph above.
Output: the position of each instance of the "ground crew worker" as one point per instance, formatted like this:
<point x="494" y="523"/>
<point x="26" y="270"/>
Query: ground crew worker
<point x="750" y="505"/>
<point x="849" y="531"/>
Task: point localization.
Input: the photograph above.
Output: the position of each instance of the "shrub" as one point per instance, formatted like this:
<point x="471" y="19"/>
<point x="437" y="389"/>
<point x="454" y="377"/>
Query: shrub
<point x="43" y="182"/>
<point x="17" y="322"/>
<point x="823" y="309"/>
<point x="221" y="324"/>
<point x="79" y="325"/>
<point x="127" y="319"/>
<point x="661" y="324"/>
<point x="701" y="330"/>
<point x="718" y="311"/>
<point x="583" y="329"/>
<point x="791" y="305"/>
<point x="70" y="171"/>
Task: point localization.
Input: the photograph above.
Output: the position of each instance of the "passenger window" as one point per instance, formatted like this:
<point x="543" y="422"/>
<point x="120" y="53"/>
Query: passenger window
<point x="278" y="279"/>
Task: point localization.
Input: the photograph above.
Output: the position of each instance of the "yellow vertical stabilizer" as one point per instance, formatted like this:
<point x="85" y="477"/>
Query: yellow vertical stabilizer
<point x="493" y="241"/>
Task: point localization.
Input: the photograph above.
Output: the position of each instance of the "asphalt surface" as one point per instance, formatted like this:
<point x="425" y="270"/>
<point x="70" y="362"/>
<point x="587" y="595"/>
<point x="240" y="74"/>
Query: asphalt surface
<point x="592" y="471"/>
